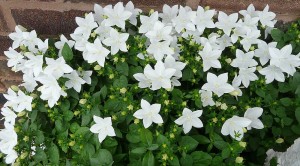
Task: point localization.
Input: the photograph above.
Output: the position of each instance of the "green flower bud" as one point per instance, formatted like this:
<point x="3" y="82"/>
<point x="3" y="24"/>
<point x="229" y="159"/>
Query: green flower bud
<point x="279" y="140"/>
<point x="15" y="88"/>
<point x="239" y="160"/>
<point x="97" y="67"/>
<point x="82" y="101"/>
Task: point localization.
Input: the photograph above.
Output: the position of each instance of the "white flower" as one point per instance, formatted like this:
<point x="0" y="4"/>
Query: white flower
<point x="99" y="13"/>
<point x="266" y="18"/>
<point x="116" y="41"/>
<point x="29" y="82"/>
<point x="250" y="38"/>
<point x="159" y="49"/>
<point x="147" y="23"/>
<point x="243" y="60"/>
<point x="159" y="32"/>
<point x="42" y="46"/>
<point x="253" y="114"/>
<point x="189" y="119"/>
<point x="234" y="127"/>
<point x="238" y="31"/>
<point x="144" y="82"/>
<point x="80" y="41"/>
<point x="85" y="25"/>
<point x="168" y="14"/>
<point x="263" y="51"/>
<point x="217" y="84"/>
<point x="212" y="40"/>
<point x="103" y="32"/>
<point x="203" y="19"/>
<point x="206" y="98"/>
<point x="86" y="76"/>
<point x="11" y="157"/>
<point x="249" y="23"/>
<point x="272" y="72"/>
<point x="250" y="11"/>
<point x="210" y="57"/>
<point x="17" y="36"/>
<point x="284" y="59"/>
<point x="116" y="16"/>
<point x="8" y="139"/>
<point x="18" y="102"/>
<point x="149" y="113"/>
<point x="95" y="52"/>
<point x="133" y="18"/>
<point x="60" y="44"/>
<point x="184" y="20"/>
<point x="14" y="58"/>
<point x="74" y="81"/>
<point x="50" y="89"/>
<point x="170" y="62"/>
<point x="57" y="67"/>
<point x="103" y="127"/>
<point x="8" y="115"/>
<point x="245" y="76"/>
<point x="226" y="22"/>
<point x="160" y="76"/>
<point x="224" y="41"/>
<point x="34" y="62"/>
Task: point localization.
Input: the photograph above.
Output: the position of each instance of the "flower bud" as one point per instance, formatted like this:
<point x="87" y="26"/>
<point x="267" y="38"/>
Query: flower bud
<point x="26" y="139"/>
<point x="136" y="121"/>
<point x="280" y="140"/>
<point x="22" y="113"/>
<point x="15" y="88"/>
<point x="24" y="155"/>
<point x="224" y="106"/>
<point x="123" y="90"/>
<point x="258" y="68"/>
<point x="97" y="67"/>
<point x="245" y="130"/>
<point x="243" y="144"/>
<point x="151" y="11"/>
<point x="228" y="60"/>
<point x="207" y="8"/>
<point x="82" y="101"/>
<point x="72" y="143"/>
<point x="239" y="160"/>
<point x="76" y="113"/>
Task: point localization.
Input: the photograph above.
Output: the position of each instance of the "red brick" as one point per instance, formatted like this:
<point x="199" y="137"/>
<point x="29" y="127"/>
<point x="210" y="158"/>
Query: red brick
<point x="68" y="21"/>
<point x="3" y="24"/>
<point x="2" y="101"/>
<point x="5" y="43"/>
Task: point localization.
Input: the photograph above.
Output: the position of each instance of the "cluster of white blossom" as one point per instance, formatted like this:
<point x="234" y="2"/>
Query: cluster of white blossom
<point x="107" y="25"/>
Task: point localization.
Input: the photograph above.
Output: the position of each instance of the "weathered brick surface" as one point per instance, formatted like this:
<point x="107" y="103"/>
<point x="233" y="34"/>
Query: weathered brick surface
<point x="135" y="2"/>
<point x="3" y="24"/>
<point x="5" y="43"/>
<point x="2" y="101"/>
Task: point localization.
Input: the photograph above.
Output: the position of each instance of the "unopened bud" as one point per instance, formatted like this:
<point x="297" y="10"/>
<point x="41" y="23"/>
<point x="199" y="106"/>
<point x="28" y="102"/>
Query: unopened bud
<point x="243" y="144"/>
<point x="280" y="140"/>
<point x="72" y="143"/>
<point x="22" y="113"/>
<point x="82" y="101"/>
<point x="97" y="67"/>
<point x="15" y="88"/>
<point x="239" y="160"/>
<point x="24" y="155"/>
<point x="228" y="60"/>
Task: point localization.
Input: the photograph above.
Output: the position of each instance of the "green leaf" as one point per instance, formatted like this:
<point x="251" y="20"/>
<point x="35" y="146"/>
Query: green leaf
<point x="286" y="101"/>
<point x="103" y="92"/>
<point x="188" y="143"/>
<point x="33" y="115"/>
<point x="58" y="125"/>
<point x="122" y="68"/>
<point x="297" y="114"/>
<point x="174" y="161"/>
<point x="296" y="129"/>
<point x="146" y="136"/>
<point x="153" y="147"/>
<point x="67" y="53"/>
<point x="201" y="139"/>
<point x="53" y="153"/>
<point x="148" y="159"/>
<point x="113" y="105"/>
<point x="39" y="137"/>
<point x="187" y="74"/>
<point x="65" y="105"/>
<point x="40" y="155"/>
<point x="102" y="158"/>
<point x="187" y="160"/>
<point x="277" y="35"/>
<point x="226" y="153"/>
<point x="109" y="142"/>
<point x="86" y="118"/>
<point x="68" y="115"/>
<point x="133" y="138"/>
<point x="139" y="150"/>
<point x="122" y="82"/>
<point x="200" y="158"/>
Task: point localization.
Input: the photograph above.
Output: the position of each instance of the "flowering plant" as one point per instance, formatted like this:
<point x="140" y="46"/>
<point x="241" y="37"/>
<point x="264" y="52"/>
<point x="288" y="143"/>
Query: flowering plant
<point x="180" y="87"/>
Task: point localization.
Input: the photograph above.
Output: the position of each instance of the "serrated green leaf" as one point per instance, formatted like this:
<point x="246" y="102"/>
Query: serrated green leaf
<point x="53" y="153"/>
<point x="122" y="68"/>
<point x="148" y="159"/>
<point x="67" y="52"/>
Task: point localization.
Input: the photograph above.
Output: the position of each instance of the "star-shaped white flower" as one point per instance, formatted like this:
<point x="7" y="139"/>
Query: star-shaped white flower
<point x="8" y="115"/>
<point x="147" y="23"/>
<point x="29" y="82"/>
<point x="34" y="62"/>
<point x="60" y="44"/>
<point x="189" y="119"/>
<point x="159" y="32"/>
<point x="206" y="98"/>
<point x="8" y="139"/>
<point x="234" y="127"/>
<point x="160" y="76"/>
<point x="245" y="76"/>
<point x="116" y="16"/>
<point x="144" y="82"/>
<point x="250" y="11"/>
<point x="184" y="19"/>
<point x="218" y="84"/>
<point x="168" y="14"/>
<point x="135" y="11"/>
<point x="243" y="60"/>
<point x="203" y="19"/>
<point x="17" y="36"/>
<point x="170" y="62"/>
<point x="284" y="59"/>
<point x="74" y="81"/>
<point x="149" y="113"/>
<point x="95" y="52"/>
<point x="272" y="72"/>
<point x="103" y="127"/>
<point x="210" y="57"/>
<point x="86" y="76"/>
<point x="116" y="41"/>
<point x="50" y="89"/>
<point x="266" y="18"/>
<point x="263" y="51"/>
<point x="57" y="67"/>
<point x="226" y="22"/>
<point x="99" y="13"/>
<point x="85" y="25"/>
<point x="250" y="38"/>
<point x="160" y="49"/>
<point x="18" y="101"/>
<point x="11" y="157"/>
<point x="14" y="57"/>
<point x="253" y="114"/>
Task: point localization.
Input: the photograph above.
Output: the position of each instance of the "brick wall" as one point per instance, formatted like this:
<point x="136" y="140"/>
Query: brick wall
<point x="53" y="17"/>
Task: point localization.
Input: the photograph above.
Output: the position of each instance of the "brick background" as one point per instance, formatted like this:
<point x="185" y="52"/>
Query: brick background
<point x="53" y="17"/>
